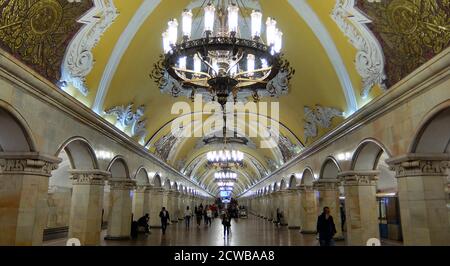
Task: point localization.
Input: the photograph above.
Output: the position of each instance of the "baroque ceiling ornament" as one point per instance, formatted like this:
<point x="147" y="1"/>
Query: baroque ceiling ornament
<point x="319" y="117"/>
<point x="79" y="60"/>
<point x="369" y="58"/>
<point x="127" y="119"/>
<point x="37" y="32"/>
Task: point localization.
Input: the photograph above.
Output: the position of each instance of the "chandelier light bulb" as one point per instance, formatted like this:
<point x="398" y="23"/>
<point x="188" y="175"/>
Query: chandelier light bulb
<point x="187" y="23"/>
<point x="197" y="64"/>
<point x="264" y="63"/>
<point x="256" y="23"/>
<point x="209" y="17"/>
<point x="233" y="18"/>
<point x="173" y="31"/>
<point x="271" y="30"/>
<point x="278" y="41"/>
<point x="166" y="43"/>
<point x="250" y="64"/>
<point x="182" y="62"/>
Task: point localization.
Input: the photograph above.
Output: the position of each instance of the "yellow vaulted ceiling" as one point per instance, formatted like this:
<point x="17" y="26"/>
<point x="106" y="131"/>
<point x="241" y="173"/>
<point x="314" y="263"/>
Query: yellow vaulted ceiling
<point x="315" y="81"/>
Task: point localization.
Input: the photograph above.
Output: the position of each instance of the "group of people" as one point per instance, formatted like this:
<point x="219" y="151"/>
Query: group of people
<point x="326" y="228"/>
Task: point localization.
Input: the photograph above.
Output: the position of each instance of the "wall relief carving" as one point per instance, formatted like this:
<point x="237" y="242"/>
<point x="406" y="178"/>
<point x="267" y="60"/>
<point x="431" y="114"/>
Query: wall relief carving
<point x="319" y="117"/>
<point x="127" y="120"/>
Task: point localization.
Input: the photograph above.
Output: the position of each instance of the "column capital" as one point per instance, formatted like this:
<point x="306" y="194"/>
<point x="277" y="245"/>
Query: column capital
<point x="359" y="178"/>
<point x="420" y="165"/>
<point x="122" y="183"/>
<point x="326" y="184"/>
<point x="89" y="177"/>
<point x="28" y="163"/>
<point x="143" y="188"/>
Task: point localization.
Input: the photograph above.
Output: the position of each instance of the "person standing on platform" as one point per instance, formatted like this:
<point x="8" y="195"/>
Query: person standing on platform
<point x="326" y="228"/>
<point x="165" y="218"/>
<point x="226" y="222"/>
<point x="187" y="217"/>
<point x="209" y="215"/>
<point x="199" y="215"/>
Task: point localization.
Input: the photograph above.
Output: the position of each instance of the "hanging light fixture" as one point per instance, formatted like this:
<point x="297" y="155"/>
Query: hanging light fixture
<point x="223" y="62"/>
<point x="225" y="158"/>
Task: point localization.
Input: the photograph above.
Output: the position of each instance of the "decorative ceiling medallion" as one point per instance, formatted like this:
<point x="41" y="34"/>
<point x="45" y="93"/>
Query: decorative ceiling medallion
<point x="369" y="58"/>
<point x="319" y="117"/>
<point x="37" y="32"/>
<point x="79" y="60"/>
<point x="129" y="121"/>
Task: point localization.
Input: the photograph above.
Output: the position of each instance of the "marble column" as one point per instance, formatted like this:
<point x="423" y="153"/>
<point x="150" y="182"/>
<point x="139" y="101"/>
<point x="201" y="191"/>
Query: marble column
<point x="360" y="206"/>
<point x="328" y="190"/>
<point x="267" y="207"/>
<point x="293" y="208"/>
<point x="285" y="206"/>
<point x="270" y="206"/>
<point x="156" y="203"/>
<point x="119" y="218"/>
<point x="308" y="209"/>
<point x="23" y="197"/>
<point x="423" y="192"/>
<point x="141" y="201"/>
<point x="86" y="206"/>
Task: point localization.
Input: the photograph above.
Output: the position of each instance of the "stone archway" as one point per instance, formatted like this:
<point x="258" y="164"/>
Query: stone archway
<point x="23" y="206"/>
<point x="71" y="193"/>
<point x="423" y="181"/>
<point x="120" y="198"/>
<point x="329" y="191"/>
<point x="368" y="176"/>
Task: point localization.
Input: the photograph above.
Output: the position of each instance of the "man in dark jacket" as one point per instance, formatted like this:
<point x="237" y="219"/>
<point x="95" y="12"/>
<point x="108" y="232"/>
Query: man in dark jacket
<point x="326" y="228"/>
<point x="164" y="215"/>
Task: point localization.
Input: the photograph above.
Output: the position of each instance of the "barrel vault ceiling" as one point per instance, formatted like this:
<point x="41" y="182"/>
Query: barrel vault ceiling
<point x="337" y="48"/>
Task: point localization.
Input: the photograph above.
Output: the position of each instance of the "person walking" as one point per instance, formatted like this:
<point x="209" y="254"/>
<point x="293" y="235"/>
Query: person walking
<point x="226" y="222"/>
<point x="209" y="215"/>
<point x="165" y="218"/>
<point x="205" y="215"/>
<point x="279" y="215"/>
<point x="187" y="217"/>
<point x="199" y="215"/>
<point x="326" y="228"/>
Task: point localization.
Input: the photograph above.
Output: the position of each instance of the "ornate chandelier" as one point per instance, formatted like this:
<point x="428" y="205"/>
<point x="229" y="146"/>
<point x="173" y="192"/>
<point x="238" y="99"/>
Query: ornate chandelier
<point x="225" y="158"/>
<point x="225" y="62"/>
<point x="225" y="176"/>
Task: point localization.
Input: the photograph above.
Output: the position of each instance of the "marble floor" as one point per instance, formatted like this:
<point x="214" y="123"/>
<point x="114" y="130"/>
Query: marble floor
<point x="252" y="231"/>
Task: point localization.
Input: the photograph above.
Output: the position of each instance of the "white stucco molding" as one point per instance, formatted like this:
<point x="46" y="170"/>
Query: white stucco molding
<point x="310" y="17"/>
<point x="369" y="60"/>
<point x="121" y="46"/>
<point x="79" y="60"/>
